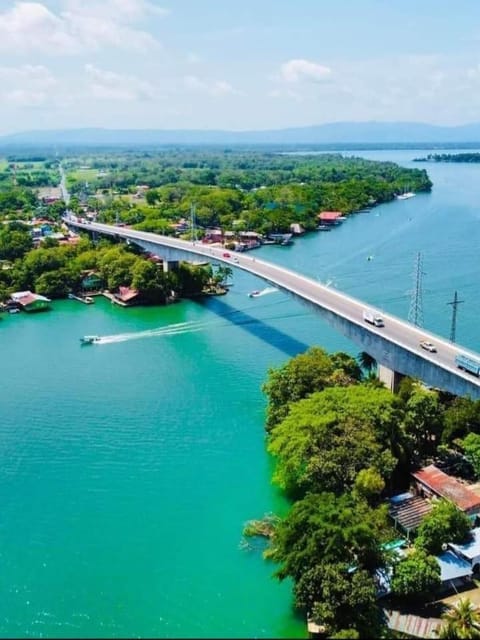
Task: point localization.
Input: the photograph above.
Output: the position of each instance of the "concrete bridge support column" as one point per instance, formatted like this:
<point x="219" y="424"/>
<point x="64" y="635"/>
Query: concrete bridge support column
<point x="391" y="379"/>
<point x="169" y="265"/>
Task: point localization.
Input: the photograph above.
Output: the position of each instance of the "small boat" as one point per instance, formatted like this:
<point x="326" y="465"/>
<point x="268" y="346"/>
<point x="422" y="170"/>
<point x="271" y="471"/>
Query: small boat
<point x="89" y="300"/>
<point x="89" y="339"/>
<point x="253" y="294"/>
<point x="13" y="310"/>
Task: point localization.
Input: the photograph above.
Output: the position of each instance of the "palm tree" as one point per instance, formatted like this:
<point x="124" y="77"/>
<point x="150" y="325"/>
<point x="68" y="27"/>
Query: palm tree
<point x="367" y="362"/>
<point x="462" y="621"/>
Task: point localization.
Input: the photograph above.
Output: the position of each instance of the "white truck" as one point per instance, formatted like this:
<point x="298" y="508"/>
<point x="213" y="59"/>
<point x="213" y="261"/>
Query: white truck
<point x="373" y="318"/>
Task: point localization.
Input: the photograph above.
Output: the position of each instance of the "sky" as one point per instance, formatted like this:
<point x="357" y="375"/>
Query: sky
<point x="248" y="65"/>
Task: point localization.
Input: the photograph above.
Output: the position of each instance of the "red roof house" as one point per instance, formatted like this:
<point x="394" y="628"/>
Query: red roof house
<point x="127" y="295"/>
<point x="329" y="217"/>
<point x="431" y="481"/>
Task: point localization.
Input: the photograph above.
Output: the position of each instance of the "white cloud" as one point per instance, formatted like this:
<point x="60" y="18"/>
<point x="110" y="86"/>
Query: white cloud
<point x="298" y="70"/>
<point x="26" y="86"/>
<point x="107" y="85"/>
<point x="215" y="88"/>
<point x="84" y="26"/>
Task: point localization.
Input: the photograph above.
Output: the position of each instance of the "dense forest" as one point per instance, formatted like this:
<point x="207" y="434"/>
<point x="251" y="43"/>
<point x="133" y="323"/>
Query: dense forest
<point x="233" y="190"/>
<point x="342" y="443"/>
<point x="154" y="191"/>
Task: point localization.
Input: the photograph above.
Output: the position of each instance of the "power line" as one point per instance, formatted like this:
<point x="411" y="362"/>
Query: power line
<point x="455" y="302"/>
<point x="415" y="314"/>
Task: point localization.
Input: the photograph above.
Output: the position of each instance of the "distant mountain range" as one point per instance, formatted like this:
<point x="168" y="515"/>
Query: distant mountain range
<point x="336" y="133"/>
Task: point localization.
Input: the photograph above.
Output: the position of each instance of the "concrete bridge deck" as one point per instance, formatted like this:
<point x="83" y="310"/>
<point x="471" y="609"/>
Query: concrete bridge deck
<point x="395" y="347"/>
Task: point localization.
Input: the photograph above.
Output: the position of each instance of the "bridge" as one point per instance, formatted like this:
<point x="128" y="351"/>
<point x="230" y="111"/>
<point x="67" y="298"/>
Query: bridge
<point x="395" y="346"/>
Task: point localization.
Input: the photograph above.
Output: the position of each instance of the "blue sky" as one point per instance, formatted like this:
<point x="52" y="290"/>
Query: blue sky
<point x="197" y="64"/>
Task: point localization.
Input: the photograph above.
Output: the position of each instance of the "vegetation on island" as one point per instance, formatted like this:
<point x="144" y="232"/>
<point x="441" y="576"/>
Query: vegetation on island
<point x="154" y="191"/>
<point x="450" y="157"/>
<point x="342" y="443"/>
<point x="234" y="190"/>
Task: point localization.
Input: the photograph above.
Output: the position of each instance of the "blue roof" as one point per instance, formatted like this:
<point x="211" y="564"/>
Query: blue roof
<point x="452" y="566"/>
<point x="470" y="549"/>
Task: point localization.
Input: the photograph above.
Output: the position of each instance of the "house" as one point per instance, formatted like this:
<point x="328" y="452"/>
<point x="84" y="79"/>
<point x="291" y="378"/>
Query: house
<point x="297" y="229"/>
<point x="470" y="551"/>
<point x="91" y="282"/>
<point x="29" y="301"/>
<point x="330" y="217"/>
<point x="454" y="570"/>
<point x="433" y="482"/>
<point x="127" y="296"/>
<point x="407" y="511"/>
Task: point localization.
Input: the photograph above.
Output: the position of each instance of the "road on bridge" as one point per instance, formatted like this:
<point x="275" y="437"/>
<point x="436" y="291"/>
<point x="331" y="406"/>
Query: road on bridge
<point x="397" y="331"/>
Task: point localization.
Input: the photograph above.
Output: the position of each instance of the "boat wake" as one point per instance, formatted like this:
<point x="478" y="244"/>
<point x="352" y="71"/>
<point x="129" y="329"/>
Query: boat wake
<point x="263" y="292"/>
<point x="169" y="330"/>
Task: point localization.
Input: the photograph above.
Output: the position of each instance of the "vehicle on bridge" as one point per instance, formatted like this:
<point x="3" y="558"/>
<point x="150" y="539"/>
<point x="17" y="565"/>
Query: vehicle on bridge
<point x="373" y="318"/>
<point x="428" y="346"/>
<point x="467" y="364"/>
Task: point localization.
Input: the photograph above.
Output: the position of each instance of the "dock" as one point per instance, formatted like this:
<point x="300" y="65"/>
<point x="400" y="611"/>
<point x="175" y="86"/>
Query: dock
<point x="84" y="299"/>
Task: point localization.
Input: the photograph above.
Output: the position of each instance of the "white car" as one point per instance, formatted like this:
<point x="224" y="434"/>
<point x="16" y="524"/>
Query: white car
<point x="428" y="346"/>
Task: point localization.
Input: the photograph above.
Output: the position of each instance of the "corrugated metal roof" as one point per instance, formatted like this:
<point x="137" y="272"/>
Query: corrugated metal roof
<point x="448" y="487"/>
<point x="452" y="566"/>
<point x="469" y="549"/>
<point x="410" y="512"/>
<point x="412" y="626"/>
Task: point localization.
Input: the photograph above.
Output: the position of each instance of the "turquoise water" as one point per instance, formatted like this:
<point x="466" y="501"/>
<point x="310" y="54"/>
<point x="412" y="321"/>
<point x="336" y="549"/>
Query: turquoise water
<point x="129" y="468"/>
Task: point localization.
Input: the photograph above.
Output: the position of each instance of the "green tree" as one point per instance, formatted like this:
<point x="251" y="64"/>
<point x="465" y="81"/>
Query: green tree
<point x="298" y="378"/>
<point x="326" y="439"/>
<point x="423" y="422"/>
<point x="322" y="526"/>
<point x="416" y="576"/>
<point x="340" y="597"/>
<point x="471" y="446"/>
<point x="369" y="484"/>
<point x="445" y="523"/>
<point x="461" y="418"/>
<point x="461" y="621"/>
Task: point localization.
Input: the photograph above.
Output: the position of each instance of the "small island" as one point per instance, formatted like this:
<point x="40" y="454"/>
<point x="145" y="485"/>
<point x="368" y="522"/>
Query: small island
<point x="450" y="157"/>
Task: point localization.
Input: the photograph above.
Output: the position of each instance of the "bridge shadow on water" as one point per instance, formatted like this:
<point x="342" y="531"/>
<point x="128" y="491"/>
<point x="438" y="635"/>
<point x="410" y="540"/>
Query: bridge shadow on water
<point x="255" y="326"/>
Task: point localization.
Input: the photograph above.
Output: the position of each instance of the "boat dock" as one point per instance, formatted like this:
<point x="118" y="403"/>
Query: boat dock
<point x="84" y="299"/>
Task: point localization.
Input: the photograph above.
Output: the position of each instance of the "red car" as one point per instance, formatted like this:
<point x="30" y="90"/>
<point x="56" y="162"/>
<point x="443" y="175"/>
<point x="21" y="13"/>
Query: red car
<point x="227" y="255"/>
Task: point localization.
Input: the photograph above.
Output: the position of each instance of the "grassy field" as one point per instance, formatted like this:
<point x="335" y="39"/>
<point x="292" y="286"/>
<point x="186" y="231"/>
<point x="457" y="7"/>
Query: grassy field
<point x="83" y="175"/>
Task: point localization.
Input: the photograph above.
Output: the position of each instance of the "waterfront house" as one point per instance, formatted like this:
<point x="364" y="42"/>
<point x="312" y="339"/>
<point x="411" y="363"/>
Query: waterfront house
<point x="29" y="301"/>
<point x="329" y="217"/>
<point x="91" y="281"/>
<point x="432" y="482"/>
<point x="127" y="296"/>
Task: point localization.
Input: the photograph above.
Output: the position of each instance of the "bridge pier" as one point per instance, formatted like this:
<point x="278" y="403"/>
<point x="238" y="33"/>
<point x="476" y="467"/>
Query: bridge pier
<point x="390" y="378"/>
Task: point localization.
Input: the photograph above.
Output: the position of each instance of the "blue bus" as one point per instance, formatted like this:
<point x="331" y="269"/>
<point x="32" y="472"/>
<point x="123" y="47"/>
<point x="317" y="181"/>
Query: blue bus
<point x="467" y="364"/>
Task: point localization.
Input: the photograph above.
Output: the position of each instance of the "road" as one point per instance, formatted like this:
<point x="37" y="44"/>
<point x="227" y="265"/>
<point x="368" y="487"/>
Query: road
<point x="395" y="330"/>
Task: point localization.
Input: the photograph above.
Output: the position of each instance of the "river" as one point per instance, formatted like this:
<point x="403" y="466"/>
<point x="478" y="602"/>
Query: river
<point x="129" y="468"/>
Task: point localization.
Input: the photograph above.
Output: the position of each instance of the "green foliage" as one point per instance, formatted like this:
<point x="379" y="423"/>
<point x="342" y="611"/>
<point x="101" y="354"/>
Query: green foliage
<point x="15" y="241"/>
<point x="461" y="418"/>
<point x="471" y="446"/>
<point x="423" y="422"/>
<point x="369" y="484"/>
<point x="326" y="439"/>
<point x="445" y="523"/>
<point x="461" y="621"/>
<point x="340" y="598"/>
<point x="324" y="527"/>
<point x="416" y="577"/>
<point x="299" y="377"/>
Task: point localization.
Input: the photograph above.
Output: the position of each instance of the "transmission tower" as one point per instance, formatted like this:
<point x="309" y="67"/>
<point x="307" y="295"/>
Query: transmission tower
<point x="415" y="314"/>
<point x="455" y="302"/>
